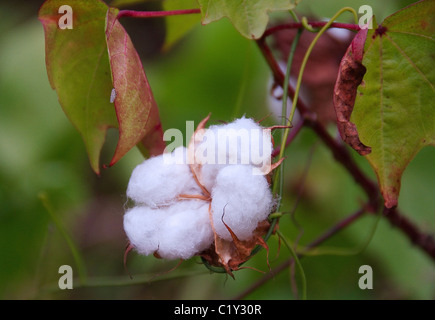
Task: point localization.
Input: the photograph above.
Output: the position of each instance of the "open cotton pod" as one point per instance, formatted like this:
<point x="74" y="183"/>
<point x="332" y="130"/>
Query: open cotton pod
<point x="240" y="200"/>
<point x="158" y="181"/>
<point x="179" y="231"/>
<point x="211" y="199"/>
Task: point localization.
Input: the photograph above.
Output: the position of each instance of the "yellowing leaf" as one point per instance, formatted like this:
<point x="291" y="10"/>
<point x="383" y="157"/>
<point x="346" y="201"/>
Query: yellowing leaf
<point x="394" y="110"/>
<point x="90" y="67"/>
<point x="78" y="69"/>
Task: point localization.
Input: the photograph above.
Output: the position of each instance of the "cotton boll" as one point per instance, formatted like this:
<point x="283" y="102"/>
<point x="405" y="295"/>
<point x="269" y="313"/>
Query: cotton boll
<point x="208" y="175"/>
<point x="244" y="123"/>
<point x="244" y="141"/>
<point x="233" y="143"/>
<point x="240" y="142"/>
<point x="158" y="181"/>
<point x="142" y="226"/>
<point x="186" y="230"/>
<point x="241" y="199"/>
<point x="178" y="231"/>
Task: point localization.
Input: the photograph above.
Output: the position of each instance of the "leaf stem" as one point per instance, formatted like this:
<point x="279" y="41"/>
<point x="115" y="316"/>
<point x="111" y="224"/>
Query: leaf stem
<point x="298" y="264"/>
<point x="279" y="173"/>
<point x="243" y="82"/>
<point x="292" y="135"/>
<point x="155" y="14"/>
<point x="322" y="238"/>
<point x="307" y="26"/>
<point x="308" y="53"/>
<point x="314" y="24"/>
<point x="415" y="235"/>
<point x="122" y="281"/>
<point x="81" y="269"/>
<point x="278" y="181"/>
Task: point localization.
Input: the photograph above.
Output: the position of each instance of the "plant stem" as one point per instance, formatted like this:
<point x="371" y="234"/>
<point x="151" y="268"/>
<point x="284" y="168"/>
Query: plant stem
<point x="155" y="14"/>
<point x="243" y="82"/>
<point x="418" y="238"/>
<point x="81" y="268"/>
<point x="342" y="155"/>
<point x="122" y="281"/>
<point x="292" y="135"/>
<point x="340" y="152"/>
<point x="314" y="24"/>
<point x="338" y="149"/>
<point x="298" y="264"/>
<point x="308" y="53"/>
<point x="319" y="240"/>
<point x="279" y="176"/>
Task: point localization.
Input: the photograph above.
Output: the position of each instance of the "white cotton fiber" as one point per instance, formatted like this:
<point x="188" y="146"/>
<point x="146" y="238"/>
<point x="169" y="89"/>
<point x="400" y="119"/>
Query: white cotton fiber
<point x="142" y="226"/>
<point x="186" y="230"/>
<point x="240" y="142"/>
<point x="177" y="227"/>
<point x="158" y="181"/>
<point x="241" y="199"/>
<point x="209" y="173"/>
<point x="178" y="231"/>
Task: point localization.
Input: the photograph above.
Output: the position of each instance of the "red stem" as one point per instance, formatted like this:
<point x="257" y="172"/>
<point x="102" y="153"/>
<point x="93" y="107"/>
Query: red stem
<point x="155" y="14"/>
<point x="316" y="242"/>
<point x="418" y="238"/>
<point x="314" y="24"/>
<point x="340" y="152"/>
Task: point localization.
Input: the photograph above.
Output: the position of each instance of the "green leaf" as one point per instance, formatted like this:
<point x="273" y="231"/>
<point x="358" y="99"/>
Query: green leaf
<point x="135" y="106"/>
<point x="85" y="63"/>
<point x="78" y="69"/>
<point x="178" y="26"/>
<point x="395" y="105"/>
<point x="250" y="18"/>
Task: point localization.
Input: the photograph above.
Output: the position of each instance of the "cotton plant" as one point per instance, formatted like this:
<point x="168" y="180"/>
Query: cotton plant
<point x="211" y="199"/>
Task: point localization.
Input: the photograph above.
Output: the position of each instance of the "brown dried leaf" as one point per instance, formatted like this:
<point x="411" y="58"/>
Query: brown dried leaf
<point x="350" y="76"/>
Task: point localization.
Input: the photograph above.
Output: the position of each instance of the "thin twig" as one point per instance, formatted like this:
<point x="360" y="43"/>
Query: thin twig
<point x="292" y="135"/>
<point x="316" y="242"/>
<point x="155" y="14"/>
<point x="341" y="154"/>
<point x="314" y="24"/>
<point x="418" y="238"/>
<point x="339" y="150"/>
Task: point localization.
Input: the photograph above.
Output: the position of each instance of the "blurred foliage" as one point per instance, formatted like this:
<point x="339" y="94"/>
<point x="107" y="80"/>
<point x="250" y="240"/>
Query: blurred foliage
<point x="40" y="151"/>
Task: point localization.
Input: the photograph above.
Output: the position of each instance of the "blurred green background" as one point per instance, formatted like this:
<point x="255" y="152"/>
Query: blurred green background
<point x="213" y="70"/>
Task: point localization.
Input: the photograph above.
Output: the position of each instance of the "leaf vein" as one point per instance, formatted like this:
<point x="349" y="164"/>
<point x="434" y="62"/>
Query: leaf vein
<point x="403" y="53"/>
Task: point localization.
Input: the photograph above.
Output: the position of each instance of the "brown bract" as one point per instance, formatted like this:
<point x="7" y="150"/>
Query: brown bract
<point x="231" y="254"/>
